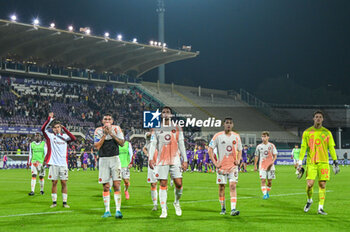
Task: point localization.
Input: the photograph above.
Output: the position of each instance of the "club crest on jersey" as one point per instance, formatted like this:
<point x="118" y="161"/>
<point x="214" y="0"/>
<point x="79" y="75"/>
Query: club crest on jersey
<point x="173" y="131"/>
<point x="318" y="141"/>
<point x="167" y="137"/>
<point x="229" y="148"/>
<point x="234" y="142"/>
<point x="269" y="148"/>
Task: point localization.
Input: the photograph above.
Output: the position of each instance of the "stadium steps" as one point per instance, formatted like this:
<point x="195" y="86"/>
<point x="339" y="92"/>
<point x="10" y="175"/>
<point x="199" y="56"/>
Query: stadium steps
<point x="248" y="120"/>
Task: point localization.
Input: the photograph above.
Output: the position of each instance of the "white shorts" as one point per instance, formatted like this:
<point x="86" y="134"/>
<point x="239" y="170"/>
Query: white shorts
<point x="267" y="174"/>
<point x="125" y="173"/>
<point x="109" y="167"/>
<point x="162" y="171"/>
<point x="151" y="176"/>
<point x="58" y="172"/>
<point x="295" y="161"/>
<point x="36" y="168"/>
<point x="231" y="177"/>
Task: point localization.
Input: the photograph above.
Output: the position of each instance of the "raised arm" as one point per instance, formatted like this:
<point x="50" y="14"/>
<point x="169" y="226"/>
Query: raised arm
<point x="120" y="136"/>
<point x="45" y="126"/>
<point x="71" y="136"/>
<point x="99" y="137"/>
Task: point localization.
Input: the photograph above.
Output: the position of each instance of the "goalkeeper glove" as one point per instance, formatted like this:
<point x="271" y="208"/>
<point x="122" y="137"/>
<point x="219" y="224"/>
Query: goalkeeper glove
<point x="336" y="168"/>
<point x="301" y="171"/>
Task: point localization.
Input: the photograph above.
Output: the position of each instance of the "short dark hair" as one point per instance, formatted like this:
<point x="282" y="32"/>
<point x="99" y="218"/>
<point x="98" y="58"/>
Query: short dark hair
<point x="107" y="114"/>
<point x="167" y="107"/>
<point x="318" y="112"/>
<point x="228" y="118"/>
<point x="265" y="133"/>
<point x="55" y="122"/>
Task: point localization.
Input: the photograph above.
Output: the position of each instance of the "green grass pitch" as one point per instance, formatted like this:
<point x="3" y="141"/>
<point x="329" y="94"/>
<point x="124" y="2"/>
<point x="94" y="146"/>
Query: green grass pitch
<point x="200" y="206"/>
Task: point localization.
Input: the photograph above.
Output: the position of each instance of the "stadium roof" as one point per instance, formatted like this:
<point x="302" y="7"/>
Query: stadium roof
<point x="51" y="46"/>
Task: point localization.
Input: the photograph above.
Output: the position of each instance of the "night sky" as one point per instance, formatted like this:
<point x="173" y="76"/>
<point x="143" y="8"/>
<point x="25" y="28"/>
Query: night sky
<point x="241" y="42"/>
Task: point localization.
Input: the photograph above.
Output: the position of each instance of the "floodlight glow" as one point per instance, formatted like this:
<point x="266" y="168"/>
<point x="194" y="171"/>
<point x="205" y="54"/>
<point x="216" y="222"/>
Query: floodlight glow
<point x="159" y="44"/>
<point x="70" y="28"/>
<point x="120" y="37"/>
<point x="106" y="34"/>
<point x="52" y="25"/>
<point x="13" y="18"/>
<point x="36" y="22"/>
<point x="88" y="31"/>
<point x="134" y="40"/>
<point x="151" y="42"/>
<point x="164" y="44"/>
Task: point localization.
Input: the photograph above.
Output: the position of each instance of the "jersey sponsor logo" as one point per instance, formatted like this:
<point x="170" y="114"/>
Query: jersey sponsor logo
<point x="229" y="148"/>
<point x="266" y="152"/>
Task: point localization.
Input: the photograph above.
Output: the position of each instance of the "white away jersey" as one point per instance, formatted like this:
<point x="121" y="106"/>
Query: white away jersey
<point x="265" y="153"/>
<point x="169" y="141"/>
<point x="227" y="147"/>
<point x="57" y="145"/>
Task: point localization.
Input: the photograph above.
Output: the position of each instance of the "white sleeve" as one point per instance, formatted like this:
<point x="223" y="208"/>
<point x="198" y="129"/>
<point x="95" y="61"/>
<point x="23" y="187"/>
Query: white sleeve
<point x="274" y="150"/>
<point x="119" y="133"/>
<point x="153" y="146"/>
<point x="257" y="153"/>
<point x="239" y="144"/>
<point x="130" y="152"/>
<point x="182" y="146"/>
<point x="45" y="127"/>
<point x="45" y="149"/>
<point x="30" y="153"/>
<point x="213" y="143"/>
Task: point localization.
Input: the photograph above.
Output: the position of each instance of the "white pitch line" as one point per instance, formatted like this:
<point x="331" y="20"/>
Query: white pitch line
<point x="189" y="202"/>
<point x="30" y="214"/>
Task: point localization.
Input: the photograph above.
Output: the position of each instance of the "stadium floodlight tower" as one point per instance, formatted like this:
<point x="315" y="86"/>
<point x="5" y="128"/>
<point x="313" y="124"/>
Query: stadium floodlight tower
<point x="160" y="11"/>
